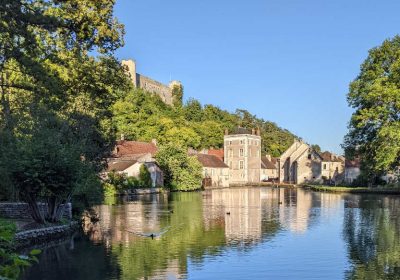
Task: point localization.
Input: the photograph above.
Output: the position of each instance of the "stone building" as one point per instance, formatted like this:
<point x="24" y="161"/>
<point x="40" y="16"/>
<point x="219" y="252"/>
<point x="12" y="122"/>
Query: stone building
<point x="129" y="156"/>
<point x="215" y="171"/>
<point x="242" y="153"/>
<point x="299" y="164"/>
<point x="269" y="169"/>
<point x="332" y="168"/>
<point x="148" y="84"/>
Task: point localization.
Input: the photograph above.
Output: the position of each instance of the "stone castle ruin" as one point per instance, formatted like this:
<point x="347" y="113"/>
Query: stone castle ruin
<point x="150" y="85"/>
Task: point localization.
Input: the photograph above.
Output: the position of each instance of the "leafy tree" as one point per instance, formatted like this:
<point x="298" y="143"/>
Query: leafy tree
<point x="181" y="172"/>
<point x="142" y="116"/>
<point x="145" y="177"/>
<point x="49" y="81"/>
<point x="316" y="148"/>
<point x="374" y="129"/>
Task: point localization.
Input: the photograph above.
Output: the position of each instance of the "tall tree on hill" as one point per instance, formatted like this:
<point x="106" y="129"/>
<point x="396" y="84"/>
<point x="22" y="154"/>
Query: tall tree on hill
<point x="374" y="128"/>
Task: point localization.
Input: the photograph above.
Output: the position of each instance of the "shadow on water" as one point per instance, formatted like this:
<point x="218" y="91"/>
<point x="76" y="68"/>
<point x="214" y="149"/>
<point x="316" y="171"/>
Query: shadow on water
<point x="233" y="233"/>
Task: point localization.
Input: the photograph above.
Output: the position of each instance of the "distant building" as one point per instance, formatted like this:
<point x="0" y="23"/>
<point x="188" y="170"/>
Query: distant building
<point x="269" y="169"/>
<point x="215" y="171"/>
<point x="148" y="84"/>
<point x="332" y="168"/>
<point x="299" y="164"/>
<point x="129" y="156"/>
<point x="131" y="168"/>
<point x="242" y="153"/>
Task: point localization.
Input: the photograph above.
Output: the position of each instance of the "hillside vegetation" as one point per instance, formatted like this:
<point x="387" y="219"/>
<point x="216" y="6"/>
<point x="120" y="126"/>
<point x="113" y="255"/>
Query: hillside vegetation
<point x="142" y="116"/>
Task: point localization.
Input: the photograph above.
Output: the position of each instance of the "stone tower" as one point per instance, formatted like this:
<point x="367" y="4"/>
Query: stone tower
<point x="242" y="153"/>
<point x="131" y="65"/>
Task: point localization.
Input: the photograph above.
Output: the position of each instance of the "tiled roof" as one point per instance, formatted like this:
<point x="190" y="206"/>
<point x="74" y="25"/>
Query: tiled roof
<point x="267" y="164"/>
<point x="218" y="153"/>
<point x="327" y="156"/>
<point x="120" y="165"/>
<point x="211" y="161"/>
<point x="131" y="148"/>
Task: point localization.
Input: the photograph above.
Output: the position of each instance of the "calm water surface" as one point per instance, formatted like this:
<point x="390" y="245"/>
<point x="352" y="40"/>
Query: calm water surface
<point x="269" y="233"/>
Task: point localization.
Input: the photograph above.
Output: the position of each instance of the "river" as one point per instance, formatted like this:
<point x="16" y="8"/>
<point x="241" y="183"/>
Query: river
<point x="236" y="233"/>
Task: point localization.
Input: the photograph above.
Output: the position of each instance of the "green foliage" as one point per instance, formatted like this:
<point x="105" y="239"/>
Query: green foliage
<point x="181" y="172"/>
<point x="55" y="99"/>
<point x="12" y="264"/>
<point x="374" y="129"/>
<point x="316" y="148"/>
<point x="177" y="95"/>
<point x="145" y="177"/>
<point x="142" y="116"/>
<point x="119" y="183"/>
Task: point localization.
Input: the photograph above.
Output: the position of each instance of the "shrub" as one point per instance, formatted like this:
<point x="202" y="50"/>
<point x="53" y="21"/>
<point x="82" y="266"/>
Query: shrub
<point x="12" y="264"/>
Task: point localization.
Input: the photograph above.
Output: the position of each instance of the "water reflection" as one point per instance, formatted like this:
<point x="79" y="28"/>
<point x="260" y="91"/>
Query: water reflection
<point x="233" y="233"/>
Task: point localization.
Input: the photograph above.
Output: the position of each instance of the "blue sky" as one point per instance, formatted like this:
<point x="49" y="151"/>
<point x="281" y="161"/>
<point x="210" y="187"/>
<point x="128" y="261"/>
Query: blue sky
<point x="286" y="61"/>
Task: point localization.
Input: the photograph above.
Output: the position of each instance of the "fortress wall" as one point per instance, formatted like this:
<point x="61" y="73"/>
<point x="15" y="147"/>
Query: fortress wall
<point x="151" y="85"/>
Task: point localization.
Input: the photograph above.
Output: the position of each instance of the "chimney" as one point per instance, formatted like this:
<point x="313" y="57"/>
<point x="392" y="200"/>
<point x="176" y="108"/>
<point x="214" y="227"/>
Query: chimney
<point x="122" y="137"/>
<point x="226" y="131"/>
<point x="253" y="132"/>
<point x="258" y="131"/>
<point x="154" y="141"/>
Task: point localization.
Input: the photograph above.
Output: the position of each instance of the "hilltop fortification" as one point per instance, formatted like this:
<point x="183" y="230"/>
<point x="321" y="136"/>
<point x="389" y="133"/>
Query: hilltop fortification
<point x="150" y="85"/>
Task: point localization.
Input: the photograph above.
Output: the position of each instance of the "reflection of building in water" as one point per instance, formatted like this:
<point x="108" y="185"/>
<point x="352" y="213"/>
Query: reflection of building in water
<point x="115" y="222"/>
<point x="241" y="208"/>
<point x="293" y="207"/>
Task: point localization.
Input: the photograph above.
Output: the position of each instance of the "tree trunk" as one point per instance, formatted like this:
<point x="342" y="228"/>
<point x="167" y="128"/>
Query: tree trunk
<point x="37" y="216"/>
<point x="55" y="208"/>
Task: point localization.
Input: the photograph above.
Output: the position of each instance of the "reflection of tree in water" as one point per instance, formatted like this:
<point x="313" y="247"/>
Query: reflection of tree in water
<point x="187" y="238"/>
<point x="63" y="262"/>
<point x="372" y="234"/>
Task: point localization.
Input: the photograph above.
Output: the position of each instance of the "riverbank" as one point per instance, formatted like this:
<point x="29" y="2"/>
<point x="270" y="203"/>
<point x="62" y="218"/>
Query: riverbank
<point x="340" y="189"/>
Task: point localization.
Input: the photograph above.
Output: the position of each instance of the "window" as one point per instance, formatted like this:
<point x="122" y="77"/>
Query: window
<point x="241" y="142"/>
<point x="241" y="152"/>
<point x="324" y="166"/>
<point x="309" y="156"/>
<point x="241" y="164"/>
<point x="230" y="164"/>
<point x="230" y="142"/>
<point x="230" y="152"/>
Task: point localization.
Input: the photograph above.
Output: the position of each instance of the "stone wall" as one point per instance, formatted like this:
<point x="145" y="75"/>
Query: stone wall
<point x="151" y="85"/>
<point x="20" y="210"/>
<point x="44" y="235"/>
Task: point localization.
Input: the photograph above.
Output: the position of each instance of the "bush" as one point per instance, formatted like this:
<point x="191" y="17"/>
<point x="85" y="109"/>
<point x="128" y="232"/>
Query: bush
<point x="12" y="264"/>
<point x="145" y="177"/>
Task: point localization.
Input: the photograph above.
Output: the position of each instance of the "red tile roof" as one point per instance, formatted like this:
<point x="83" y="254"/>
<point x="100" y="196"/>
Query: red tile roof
<point x="131" y="148"/>
<point x="211" y="161"/>
<point x="218" y="153"/>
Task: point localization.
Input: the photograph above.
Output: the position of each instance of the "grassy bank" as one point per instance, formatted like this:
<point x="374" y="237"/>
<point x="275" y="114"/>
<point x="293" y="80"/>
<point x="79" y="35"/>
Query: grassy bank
<point x="341" y="189"/>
